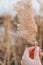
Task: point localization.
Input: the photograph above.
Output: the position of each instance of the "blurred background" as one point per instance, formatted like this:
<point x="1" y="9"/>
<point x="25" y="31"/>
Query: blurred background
<point x="15" y="33"/>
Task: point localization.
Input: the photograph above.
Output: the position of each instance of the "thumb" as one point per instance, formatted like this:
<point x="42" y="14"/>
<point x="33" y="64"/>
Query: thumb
<point x="36" y="53"/>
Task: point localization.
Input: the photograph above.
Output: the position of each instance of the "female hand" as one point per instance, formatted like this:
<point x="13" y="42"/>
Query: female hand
<point x="31" y="56"/>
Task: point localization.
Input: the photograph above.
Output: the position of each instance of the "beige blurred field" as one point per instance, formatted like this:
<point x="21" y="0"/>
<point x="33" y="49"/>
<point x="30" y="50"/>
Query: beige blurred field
<point x="21" y="26"/>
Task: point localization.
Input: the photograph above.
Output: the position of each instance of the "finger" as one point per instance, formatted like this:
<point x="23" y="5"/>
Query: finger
<point x="30" y="50"/>
<point x="27" y="52"/>
<point x="36" y="53"/>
